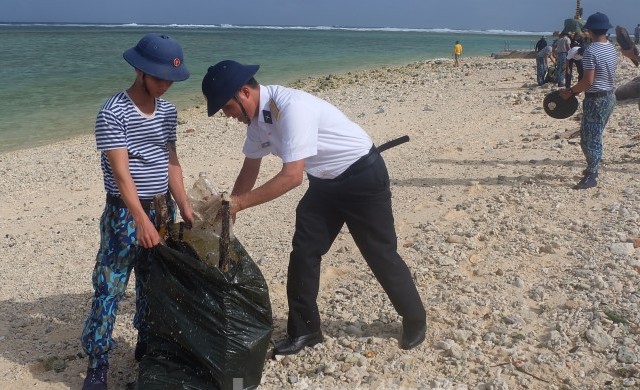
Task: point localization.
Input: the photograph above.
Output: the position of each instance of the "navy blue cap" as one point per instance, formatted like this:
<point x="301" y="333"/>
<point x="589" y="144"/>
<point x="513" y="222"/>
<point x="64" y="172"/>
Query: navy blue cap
<point x="597" y="21"/>
<point x="159" y="56"/>
<point x="223" y="80"/>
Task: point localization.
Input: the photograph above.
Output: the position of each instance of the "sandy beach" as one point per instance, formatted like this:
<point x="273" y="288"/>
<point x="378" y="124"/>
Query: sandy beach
<point x="528" y="284"/>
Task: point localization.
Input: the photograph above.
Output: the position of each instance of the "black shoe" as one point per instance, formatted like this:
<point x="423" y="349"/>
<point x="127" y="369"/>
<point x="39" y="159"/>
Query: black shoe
<point x="96" y="378"/>
<point x="588" y="181"/>
<point x="141" y="350"/>
<point x="585" y="173"/>
<point x="293" y="345"/>
<point x="413" y="334"/>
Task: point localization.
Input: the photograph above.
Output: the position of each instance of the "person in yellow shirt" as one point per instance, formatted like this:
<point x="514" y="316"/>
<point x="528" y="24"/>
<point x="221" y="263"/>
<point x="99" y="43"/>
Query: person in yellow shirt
<point x="457" y="52"/>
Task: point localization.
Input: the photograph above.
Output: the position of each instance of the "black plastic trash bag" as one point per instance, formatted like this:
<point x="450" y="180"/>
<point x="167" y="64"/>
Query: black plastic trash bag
<point x="209" y="329"/>
<point x="550" y="76"/>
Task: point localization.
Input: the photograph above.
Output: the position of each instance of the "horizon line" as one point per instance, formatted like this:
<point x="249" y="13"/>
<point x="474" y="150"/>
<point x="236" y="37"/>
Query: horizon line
<point x="290" y="27"/>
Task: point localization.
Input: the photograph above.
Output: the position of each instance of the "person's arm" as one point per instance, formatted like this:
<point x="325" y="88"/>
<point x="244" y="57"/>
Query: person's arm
<point x="247" y="177"/>
<point x="243" y="197"/>
<point x="551" y="57"/>
<point x="176" y="185"/>
<point x="146" y="232"/>
<point x="587" y="79"/>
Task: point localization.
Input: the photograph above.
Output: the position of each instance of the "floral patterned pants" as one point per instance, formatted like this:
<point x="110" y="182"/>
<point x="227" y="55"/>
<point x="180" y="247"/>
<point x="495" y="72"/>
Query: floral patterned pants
<point x="596" y="112"/>
<point x="119" y="253"/>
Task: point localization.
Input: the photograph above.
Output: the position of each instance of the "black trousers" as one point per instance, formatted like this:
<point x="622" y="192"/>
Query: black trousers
<point x="569" y="74"/>
<point x="361" y="198"/>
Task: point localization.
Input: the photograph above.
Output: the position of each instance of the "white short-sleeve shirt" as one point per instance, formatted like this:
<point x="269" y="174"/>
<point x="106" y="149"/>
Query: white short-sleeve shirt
<point x="572" y="54"/>
<point x="295" y="125"/>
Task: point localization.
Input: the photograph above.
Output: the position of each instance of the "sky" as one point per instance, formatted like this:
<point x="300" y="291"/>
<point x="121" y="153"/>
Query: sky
<point x="516" y="15"/>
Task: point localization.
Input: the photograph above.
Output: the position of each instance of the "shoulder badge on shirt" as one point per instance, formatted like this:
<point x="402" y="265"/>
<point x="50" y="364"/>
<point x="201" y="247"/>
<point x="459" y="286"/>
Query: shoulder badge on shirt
<point x="274" y="109"/>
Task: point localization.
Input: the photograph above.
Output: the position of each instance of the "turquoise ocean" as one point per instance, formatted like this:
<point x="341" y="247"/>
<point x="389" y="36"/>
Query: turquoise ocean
<point x="55" y="78"/>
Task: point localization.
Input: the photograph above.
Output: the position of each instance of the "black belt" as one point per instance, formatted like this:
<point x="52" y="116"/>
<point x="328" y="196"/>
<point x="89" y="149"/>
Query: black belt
<point x="361" y="164"/>
<point x="597" y="94"/>
<point x="367" y="160"/>
<point x="117" y="201"/>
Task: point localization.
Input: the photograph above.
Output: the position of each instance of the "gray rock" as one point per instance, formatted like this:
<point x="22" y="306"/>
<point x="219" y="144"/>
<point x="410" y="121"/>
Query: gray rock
<point x="626" y="355"/>
<point x="622" y="248"/>
<point x="598" y="339"/>
<point x="446" y="261"/>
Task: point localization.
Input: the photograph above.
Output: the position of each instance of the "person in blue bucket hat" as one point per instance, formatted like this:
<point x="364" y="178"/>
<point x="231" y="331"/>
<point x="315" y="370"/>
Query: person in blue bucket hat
<point x="599" y="63"/>
<point x="348" y="185"/>
<point x="136" y="135"/>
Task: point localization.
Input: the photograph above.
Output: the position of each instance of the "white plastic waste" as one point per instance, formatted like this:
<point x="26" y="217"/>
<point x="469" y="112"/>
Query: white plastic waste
<point x="204" y="235"/>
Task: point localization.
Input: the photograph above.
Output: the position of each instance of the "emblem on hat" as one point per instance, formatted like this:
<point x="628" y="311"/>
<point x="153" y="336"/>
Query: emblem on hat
<point x="176" y="62"/>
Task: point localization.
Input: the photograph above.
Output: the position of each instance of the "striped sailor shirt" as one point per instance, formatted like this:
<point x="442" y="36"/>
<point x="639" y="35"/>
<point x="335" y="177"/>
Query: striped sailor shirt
<point x="120" y="124"/>
<point x="603" y="58"/>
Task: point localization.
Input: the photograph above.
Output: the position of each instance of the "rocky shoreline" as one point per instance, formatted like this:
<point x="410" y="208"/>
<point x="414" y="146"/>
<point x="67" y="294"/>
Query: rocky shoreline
<point x="528" y="284"/>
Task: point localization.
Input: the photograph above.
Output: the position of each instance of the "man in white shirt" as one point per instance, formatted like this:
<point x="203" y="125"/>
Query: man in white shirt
<point x="348" y="184"/>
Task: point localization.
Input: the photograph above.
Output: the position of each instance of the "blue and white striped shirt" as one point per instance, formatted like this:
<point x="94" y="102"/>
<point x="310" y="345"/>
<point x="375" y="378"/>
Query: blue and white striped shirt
<point x="602" y="57"/>
<point x="120" y="124"/>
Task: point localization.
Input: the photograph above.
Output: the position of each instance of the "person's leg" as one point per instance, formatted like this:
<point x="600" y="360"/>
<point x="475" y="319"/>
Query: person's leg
<point x="317" y="226"/>
<point x="369" y="216"/>
<point x="560" y="68"/>
<point x="596" y="113"/>
<point x="143" y="262"/>
<point x="580" y="70"/>
<point x="568" y="74"/>
<point x="141" y="270"/>
<point x="114" y="262"/>
<point x="540" y="71"/>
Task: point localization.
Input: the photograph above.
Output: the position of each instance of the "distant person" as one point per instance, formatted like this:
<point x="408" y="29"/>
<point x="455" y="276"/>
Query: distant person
<point x="542" y="64"/>
<point x="136" y="135"/>
<point x="541" y="44"/>
<point x="457" y="52"/>
<point x="636" y="34"/>
<point x="562" y="48"/>
<point x="599" y="61"/>
<point x="348" y="184"/>
<point x="574" y="58"/>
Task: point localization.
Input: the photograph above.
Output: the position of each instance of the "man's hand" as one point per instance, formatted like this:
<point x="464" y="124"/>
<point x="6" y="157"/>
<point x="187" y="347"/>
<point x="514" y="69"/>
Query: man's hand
<point x="234" y="207"/>
<point x="187" y="215"/>
<point x="146" y="233"/>
<point x="566" y="93"/>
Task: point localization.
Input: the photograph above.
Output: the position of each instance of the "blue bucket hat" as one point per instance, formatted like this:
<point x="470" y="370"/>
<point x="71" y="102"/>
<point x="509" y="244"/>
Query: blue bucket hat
<point x="223" y="80"/>
<point x="159" y="56"/>
<point x="597" y="21"/>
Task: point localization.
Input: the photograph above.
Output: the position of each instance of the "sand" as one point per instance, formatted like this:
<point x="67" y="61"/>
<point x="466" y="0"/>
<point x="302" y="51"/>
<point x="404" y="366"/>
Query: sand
<point x="527" y="282"/>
